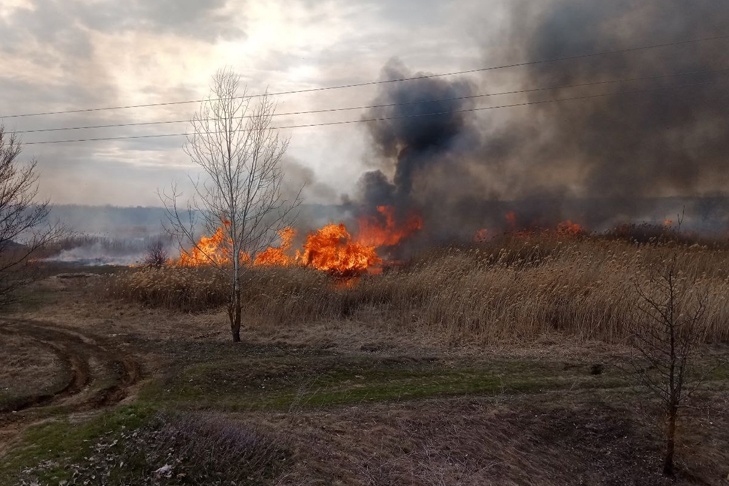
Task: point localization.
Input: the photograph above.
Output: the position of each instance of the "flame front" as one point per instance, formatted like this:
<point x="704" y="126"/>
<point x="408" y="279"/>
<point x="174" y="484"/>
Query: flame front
<point x="568" y="228"/>
<point x="564" y="229"/>
<point x="213" y="250"/>
<point x="277" y="256"/>
<point x="331" y="248"/>
<point x="373" y="233"/>
<point x="482" y="236"/>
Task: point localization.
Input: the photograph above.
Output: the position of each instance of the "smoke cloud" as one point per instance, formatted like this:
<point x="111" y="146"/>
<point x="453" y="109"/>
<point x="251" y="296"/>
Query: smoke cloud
<point x="608" y="152"/>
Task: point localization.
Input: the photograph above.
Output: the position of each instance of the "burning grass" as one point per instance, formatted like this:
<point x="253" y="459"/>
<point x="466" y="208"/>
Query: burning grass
<point x="517" y="289"/>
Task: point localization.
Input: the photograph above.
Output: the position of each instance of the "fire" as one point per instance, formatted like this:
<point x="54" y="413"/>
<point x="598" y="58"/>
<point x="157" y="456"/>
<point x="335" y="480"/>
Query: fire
<point x="511" y="219"/>
<point x="373" y="233"/>
<point x="277" y="256"/>
<point x="331" y="248"/>
<point x="481" y="236"/>
<point x="568" y="228"/>
<point x="214" y="250"/>
<point x="667" y="223"/>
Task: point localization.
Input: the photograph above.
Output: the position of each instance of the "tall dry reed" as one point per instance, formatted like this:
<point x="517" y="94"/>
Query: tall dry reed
<point x="516" y="289"/>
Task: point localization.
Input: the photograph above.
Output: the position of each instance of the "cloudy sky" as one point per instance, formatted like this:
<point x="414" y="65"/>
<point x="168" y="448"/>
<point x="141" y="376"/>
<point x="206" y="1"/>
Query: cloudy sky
<point x="59" y="55"/>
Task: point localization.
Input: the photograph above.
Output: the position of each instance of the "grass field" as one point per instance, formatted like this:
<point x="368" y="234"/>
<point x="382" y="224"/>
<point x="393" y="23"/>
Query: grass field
<point x="503" y="363"/>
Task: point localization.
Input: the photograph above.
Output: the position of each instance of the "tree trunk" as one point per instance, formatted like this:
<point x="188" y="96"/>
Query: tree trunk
<point x="670" y="441"/>
<point x="238" y="305"/>
<point x="235" y="331"/>
<point x="234" y="307"/>
<point x="234" y="314"/>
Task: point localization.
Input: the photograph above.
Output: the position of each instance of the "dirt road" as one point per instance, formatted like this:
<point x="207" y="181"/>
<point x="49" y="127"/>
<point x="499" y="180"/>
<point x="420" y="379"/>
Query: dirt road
<point x="95" y="374"/>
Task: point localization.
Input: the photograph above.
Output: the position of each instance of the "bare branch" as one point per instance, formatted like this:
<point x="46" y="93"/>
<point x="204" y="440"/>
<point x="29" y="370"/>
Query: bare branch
<point x="666" y="337"/>
<point x="232" y="140"/>
<point x="24" y="225"/>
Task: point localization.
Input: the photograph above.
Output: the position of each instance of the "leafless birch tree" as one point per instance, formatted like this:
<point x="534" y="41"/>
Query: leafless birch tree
<point x="240" y="153"/>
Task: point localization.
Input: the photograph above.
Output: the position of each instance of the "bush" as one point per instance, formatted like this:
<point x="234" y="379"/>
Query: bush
<point x="156" y="256"/>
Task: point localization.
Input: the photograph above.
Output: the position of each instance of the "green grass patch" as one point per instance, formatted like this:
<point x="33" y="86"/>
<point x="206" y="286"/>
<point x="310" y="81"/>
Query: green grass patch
<point x="126" y="446"/>
<point x="59" y="443"/>
<point x="284" y="383"/>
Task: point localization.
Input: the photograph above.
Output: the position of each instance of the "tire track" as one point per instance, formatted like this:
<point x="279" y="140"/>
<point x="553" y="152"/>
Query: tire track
<point x="99" y="375"/>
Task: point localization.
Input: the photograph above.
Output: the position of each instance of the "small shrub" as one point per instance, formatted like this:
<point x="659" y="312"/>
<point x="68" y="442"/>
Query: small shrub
<point x="156" y="256"/>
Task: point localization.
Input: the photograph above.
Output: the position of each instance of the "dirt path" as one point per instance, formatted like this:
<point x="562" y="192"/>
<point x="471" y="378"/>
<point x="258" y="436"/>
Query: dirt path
<point x="98" y="374"/>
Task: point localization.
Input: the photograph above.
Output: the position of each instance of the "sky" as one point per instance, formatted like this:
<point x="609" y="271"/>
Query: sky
<point x="59" y="55"/>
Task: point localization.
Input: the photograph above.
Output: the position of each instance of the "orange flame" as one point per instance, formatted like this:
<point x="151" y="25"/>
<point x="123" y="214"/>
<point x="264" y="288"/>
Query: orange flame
<point x="276" y="256"/>
<point x="331" y="248"/>
<point x="568" y="228"/>
<point x="511" y="219"/>
<point x="373" y="233"/>
<point x="481" y="236"/>
<point x="213" y="250"/>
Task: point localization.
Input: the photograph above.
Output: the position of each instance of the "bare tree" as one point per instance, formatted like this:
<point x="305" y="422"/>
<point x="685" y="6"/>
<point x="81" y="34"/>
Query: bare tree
<point x="240" y="153"/>
<point x="24" y="226"/>
<point x="667" y="338"/>
<point x="156" y="256"/>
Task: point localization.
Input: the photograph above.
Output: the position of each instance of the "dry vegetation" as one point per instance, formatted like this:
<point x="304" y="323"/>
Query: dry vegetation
<point x="519" y="289"/>
<point x="500" y="363"/>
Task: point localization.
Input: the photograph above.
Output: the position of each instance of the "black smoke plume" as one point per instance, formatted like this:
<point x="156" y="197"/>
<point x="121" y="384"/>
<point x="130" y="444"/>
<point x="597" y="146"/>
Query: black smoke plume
<point x="423" y="127"/>
<point x="608" y="152"/>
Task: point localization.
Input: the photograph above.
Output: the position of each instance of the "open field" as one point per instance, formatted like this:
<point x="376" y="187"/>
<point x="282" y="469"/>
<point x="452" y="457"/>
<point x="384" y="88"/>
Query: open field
<point x="467" y="366"/>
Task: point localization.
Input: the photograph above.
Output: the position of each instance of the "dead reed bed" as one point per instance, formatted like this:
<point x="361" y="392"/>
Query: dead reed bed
<point x="517" y="289"/>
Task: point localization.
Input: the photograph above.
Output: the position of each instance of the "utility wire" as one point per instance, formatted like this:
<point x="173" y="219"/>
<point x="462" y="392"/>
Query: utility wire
<point x="369" y="120"/>
<point x="388" y="105"/>
<point x="370" y="83"/>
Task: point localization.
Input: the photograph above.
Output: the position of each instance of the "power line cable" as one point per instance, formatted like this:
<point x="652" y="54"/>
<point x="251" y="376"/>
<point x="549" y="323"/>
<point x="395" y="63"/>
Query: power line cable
<point x="369" y="120"/>
<point x="388" y="105"/>
<point x="370" y="83"/>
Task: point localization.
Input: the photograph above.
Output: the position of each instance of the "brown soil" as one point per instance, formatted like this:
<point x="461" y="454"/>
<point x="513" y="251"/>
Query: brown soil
<point x="94" y="374"/>
<point x="27" y="366"/>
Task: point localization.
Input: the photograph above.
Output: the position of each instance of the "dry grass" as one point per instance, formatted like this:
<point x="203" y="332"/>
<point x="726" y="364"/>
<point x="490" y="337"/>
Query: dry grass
<point x="518" y="289"/>
<point x="555" y="440"/>
<point x="186" y="289"/>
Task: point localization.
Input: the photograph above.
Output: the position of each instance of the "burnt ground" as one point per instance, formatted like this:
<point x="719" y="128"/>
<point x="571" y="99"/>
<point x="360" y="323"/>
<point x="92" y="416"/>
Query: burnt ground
<point x="94" y="391"/>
